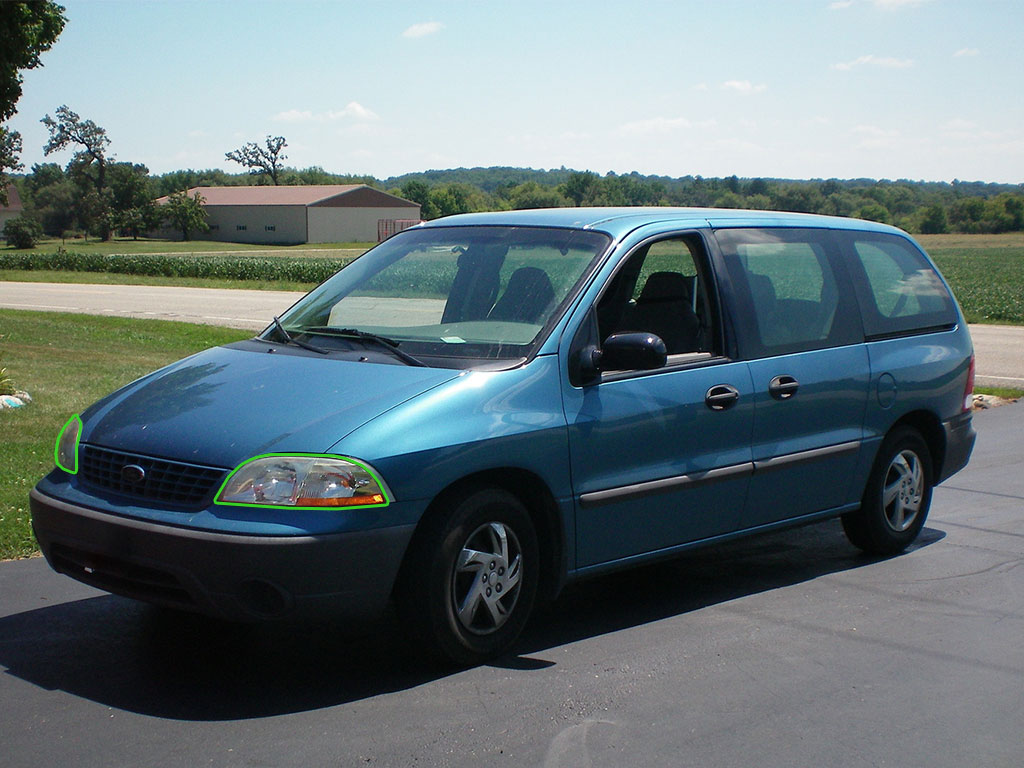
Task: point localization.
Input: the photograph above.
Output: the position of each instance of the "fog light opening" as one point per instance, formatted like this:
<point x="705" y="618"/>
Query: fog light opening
<point x="264" y="598"/>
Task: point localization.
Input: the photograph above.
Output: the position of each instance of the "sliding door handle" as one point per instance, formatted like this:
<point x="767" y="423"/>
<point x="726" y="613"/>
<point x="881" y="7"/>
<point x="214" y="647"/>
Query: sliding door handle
<point x="721" y="397"/>
<point x="783" y="387"/>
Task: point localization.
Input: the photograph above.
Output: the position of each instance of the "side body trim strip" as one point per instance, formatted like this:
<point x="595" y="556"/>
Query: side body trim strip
<point x="666" y="484"/>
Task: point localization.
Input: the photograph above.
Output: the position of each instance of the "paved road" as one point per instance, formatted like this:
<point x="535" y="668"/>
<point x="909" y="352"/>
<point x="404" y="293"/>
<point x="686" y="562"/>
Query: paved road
<point x="210" y="306"/>
<point x="1000" y="362"/>
<point x="789" y="650"/>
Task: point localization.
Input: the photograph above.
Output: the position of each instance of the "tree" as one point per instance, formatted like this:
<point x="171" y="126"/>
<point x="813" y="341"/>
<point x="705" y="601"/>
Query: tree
<point x="186" y="213"/>
<point x="934" y="221"/>
<point x="417" y="191"/>
<point x="261" y="161"/>
<point x="70" y="129"/>
<point x="579" y="186"/>
<point x="10" y="149"/>
<point x="27" y="30"/>
<point x="131" y="199"/>
<point x="56" y="206"/>
<point x="88" y="166"/>
<point x="530" y="194"/>
<point x="43" y="175"/>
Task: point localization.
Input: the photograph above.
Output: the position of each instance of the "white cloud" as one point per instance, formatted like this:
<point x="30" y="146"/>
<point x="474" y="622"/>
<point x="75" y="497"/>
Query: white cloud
<point x="423" y="29"/>
<point x="893" y="5"/>
<point x="966" y="52"/>
<point x="353" y="110"/>
<point x="743" y="86"/>
<point x="884" y="62"/>
<point x="885" y="5"/>
<point x="294" y="116"/>
<point x="654" y="125"/>
<point x="968" y="130"/>
<point x="874" y="131"/>
<point x="873" y="137"/>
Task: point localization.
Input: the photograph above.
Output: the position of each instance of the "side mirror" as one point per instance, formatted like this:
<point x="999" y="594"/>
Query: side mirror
<point x="632" y="352"/>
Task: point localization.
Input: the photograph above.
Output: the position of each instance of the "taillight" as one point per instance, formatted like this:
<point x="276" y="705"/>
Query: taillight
<point x="969" y="389"/>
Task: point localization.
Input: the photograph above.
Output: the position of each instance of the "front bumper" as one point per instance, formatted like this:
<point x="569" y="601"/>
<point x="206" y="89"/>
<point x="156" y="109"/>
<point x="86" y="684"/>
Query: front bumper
<point x="232" y="576"/>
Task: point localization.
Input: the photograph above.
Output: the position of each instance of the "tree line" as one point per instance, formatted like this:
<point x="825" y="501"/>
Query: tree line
<point x="919" y="207"/>
<point x="93" y="194"/>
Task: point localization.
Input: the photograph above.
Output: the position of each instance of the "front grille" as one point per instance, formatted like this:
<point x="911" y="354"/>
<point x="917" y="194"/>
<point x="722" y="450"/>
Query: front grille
<point x="172" y="482"/>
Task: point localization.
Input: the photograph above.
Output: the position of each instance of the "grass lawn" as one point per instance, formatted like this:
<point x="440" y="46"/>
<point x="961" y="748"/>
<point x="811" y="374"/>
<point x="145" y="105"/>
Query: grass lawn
<point x="147" y="245"/>
<point x="66" y="362"/>
<point x="1008" y="392"/>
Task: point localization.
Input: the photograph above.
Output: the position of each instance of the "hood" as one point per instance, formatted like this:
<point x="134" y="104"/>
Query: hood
<point x="225" y="405"/>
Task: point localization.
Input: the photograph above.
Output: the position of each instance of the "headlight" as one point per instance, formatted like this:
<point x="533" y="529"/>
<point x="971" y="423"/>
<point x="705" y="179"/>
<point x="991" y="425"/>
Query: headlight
<point x="303" y="482"/>
<point x="65" y="453"/>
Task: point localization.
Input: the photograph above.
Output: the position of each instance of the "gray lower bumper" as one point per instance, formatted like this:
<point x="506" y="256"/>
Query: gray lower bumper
<point x="232" y="576"/>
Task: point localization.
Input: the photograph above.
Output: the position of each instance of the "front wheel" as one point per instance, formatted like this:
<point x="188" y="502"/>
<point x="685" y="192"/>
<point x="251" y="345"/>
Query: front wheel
<point x="471" y="578"/>
<point x="896" y="498"/>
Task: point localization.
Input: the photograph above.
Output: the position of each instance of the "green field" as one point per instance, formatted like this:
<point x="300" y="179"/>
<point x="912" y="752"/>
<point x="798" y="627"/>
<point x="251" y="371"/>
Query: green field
<point x="147" y="245"/>
<point x="986" y="273"/>
<point x="67" y="362"/>
<point x="114" y="278"/>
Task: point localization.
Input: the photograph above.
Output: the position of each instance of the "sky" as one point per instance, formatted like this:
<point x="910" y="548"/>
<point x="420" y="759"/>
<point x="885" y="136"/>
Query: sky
<point x="886" y="89"/>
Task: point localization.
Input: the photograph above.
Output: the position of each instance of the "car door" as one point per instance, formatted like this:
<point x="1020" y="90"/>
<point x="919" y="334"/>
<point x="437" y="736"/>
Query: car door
<point x="659" y="457"/>
<point x="800" y="331"/>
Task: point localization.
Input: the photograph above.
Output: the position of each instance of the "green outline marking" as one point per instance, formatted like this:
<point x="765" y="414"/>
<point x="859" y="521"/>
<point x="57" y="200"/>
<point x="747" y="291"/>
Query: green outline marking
<point x="365" y="467"/>
<point x="78" y="439"/>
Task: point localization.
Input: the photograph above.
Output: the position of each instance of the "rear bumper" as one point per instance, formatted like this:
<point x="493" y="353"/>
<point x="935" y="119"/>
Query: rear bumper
<point x="232" y="576"/>
<point x="960" y="437"/>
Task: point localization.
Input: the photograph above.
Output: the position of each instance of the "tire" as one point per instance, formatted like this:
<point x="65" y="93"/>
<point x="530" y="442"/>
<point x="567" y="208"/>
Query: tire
<point x="896" y="498"/>
<point x="470" y="580"/>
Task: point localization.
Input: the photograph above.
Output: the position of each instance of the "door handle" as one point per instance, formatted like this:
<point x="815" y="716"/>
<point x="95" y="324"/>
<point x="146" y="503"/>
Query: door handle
<point x="721" y="397"/>
<point x="783" y="387"/>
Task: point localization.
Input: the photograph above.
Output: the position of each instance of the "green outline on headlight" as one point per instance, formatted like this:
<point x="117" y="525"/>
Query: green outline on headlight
<point x="60" y="436"/>
<point x="366" y="467"/>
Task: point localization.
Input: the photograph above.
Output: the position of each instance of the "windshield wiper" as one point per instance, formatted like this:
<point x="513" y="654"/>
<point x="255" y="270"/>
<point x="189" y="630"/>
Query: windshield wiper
<point x="382" y="341"/>
<point x="292" y="340"/>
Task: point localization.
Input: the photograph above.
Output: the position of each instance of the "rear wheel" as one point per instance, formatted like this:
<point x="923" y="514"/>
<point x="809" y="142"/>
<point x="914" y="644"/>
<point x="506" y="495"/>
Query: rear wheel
<point x="896" y="498"/>
<point x="471" y="578"/>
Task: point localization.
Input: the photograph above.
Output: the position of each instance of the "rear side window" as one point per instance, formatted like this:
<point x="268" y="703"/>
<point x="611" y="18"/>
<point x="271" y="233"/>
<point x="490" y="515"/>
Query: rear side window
<point x="788" y="285"/>
<point x="898" y="289"/>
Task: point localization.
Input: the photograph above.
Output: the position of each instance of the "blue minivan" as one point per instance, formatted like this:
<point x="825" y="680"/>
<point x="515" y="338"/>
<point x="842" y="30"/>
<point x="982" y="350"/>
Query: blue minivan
<point x="485" y="407"/>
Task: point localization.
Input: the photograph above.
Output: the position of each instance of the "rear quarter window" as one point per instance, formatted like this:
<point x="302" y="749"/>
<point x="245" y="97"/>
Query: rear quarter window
<point x="898" y="289"/>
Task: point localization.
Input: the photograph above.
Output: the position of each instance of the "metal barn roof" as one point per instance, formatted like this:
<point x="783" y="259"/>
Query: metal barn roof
<point x="326" y="195"/>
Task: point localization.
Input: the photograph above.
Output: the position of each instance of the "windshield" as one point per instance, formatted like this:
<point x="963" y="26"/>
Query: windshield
<point x="451" y="293"/>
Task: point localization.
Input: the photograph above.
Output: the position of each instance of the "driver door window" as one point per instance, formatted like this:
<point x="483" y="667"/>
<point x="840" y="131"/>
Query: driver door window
<point x="660" y="290"/>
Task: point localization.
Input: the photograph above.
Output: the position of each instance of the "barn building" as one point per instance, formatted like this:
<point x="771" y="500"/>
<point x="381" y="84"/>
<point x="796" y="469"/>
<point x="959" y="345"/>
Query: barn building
<point x="335" y="213"/>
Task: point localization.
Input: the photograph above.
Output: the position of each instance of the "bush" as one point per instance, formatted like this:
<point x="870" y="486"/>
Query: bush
<point x="23" y="232"/>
